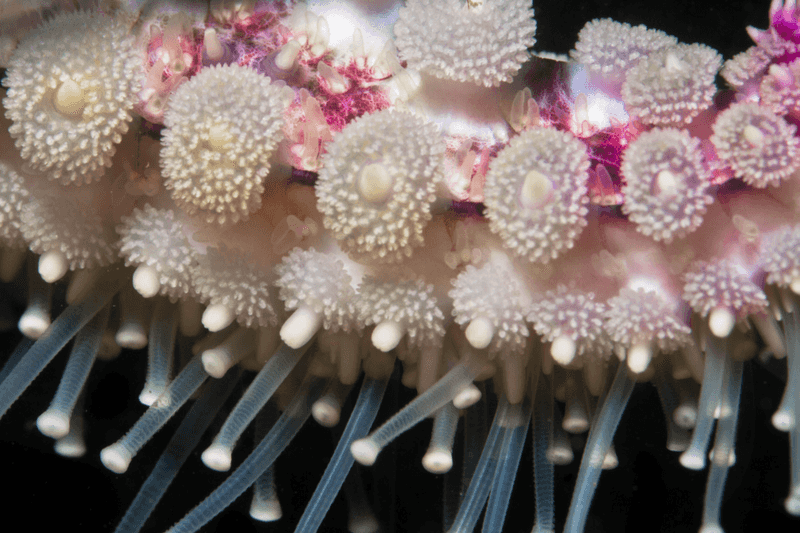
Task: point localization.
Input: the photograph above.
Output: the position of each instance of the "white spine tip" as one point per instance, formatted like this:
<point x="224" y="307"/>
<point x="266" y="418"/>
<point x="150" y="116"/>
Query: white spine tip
<point x="70" y="447"/>
<point x="52" y="266"/>
<point x="365" y="451"/>
<point x="639" y="357"/>
<point x="132" y="338"/>
<point x="693" y="461"/>
<point x="479" y="333"/>
<point x="116" y="458"/>
<point x="217" y="317"/>
<point x="467" y="397"/>
<point x="721" y="321"/>
<point x="217" y="458"/>
<point x="266" y="511"/>
<point x="33" y="324"/>
<point x="145" y="281"/>
<point x="437" y="461"/>
<point x="563" y="350"/>
<point x="54" y="424"/>
<point x="149" y="396"/>
<point x="300" y="327"/>
<point x="386" y="335"/>
<point x="783" y="421"/>
<point x="325" y="412"/>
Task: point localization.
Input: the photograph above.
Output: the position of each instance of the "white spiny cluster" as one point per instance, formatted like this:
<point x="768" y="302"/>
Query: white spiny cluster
<point x="611" y="48"/>
<point x="744" y="67"/>
<point x="411" y="304"/>
<point x="576" y="315"/>
<point x="14" y="195"/>
<point x="223" y="126"/>
<point x="156" y="238"/>
<point x="781" y="258"/>
<point x="779" y="89"/>
<point x="665" y="183"/>
<point x="476" y="42"/>
<point x="493" y="293"/>
<point x="378" y="182"/>
<point x="319" y="281"/>
<point x="61" y="224"/>
<point x="639" y="316"/>
<point x="672" y="85"/>
<point x="757" y="144"/>
<point x="228" y="277"/>
<point x="710" y="285"/>
<point x="535" y="193"/>
<point x="71" y="86"/>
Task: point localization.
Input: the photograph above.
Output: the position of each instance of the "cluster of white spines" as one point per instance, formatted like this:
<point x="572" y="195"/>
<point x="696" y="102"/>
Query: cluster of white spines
<point x="409" y="304"/>
<point x="71" y="87"/>
<point x="14" y="196"/>
<point x="672" y="85"/>
<point x="377" y="184"/>
<point x="639" y="317"/>
<point x="779" y="88"/>
<point x="781" y="258"/>
<point x="318" y="281"/>
<point x="611" y="48"/>
<point x="156" y="239"/>
<point x="485" y="43"/>
<point x="492" y="293"/>
<point x="757" y="144"/>
<point x="665" y="183"/>
<point x="711" y="285"/>
<point x="573" y="321"/>
<point x="62" y="225"/>
<point x="223" y="126"/>
<point x="227" y="277"/>
<point x="535" y="193"/>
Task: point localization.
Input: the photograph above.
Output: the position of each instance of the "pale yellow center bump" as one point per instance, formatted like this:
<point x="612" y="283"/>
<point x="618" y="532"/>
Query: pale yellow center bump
<point x="536" y="189"/>
<point x="69" y="99"/>
<point x="374" y="183"/>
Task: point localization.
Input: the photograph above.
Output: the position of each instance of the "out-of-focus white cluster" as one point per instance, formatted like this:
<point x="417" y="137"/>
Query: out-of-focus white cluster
<point x="575" y="315"/>
<point x="636" y="317"/>
<point x="665" y="184"/>
<point x="14" y="196"/>
<point x="757" y="144"/>
<point x="742" y="68"/>
<point x="410" y="304"/>
<point x="61" y="224"/>
<point x="229" y="278"/>
<point x="71" y="86"/>
<point x="535" y="193"/>
<point x="710" y="285"/>
<point x="492" y="293"/>
<point x="672" y="85"/>
<point x="223" y="126"/>
<point x="611" y="48"/>
<point x="377" y="183"/>
<point x="484" y="43"/>
<point x="155" y="238"/>
<point x="779" y="88"/>
<point x="320" y="282"/>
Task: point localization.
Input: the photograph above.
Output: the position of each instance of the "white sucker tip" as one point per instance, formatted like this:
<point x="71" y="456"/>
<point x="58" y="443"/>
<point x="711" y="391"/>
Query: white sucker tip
<point x="131" y="338"/>
<point x="266" y="511"/>
<point x="467" y="397"/>
<point x="53" y="266"/>
<point x="639" y="357"/>
<point x="783" y="421"/>
<point x="563" y="350"/>
<point x="693" y="461"/>
<point x="115" y="458"/>
<point x="69" y="447"/>
<point x="33" y="324"/>
<point x="215" y="363"/>
<point x="149" y="396"/>
<point x="325" y="412"/>
<point x="145" y="281"/>
<point x="437" y="462"/>
<point x="53" y="424"/>
<point x="721" y="321"/>
<point x="386" y="335"/>
<point x="217" y="317"/>
<point x="217" y="458"/>
<point x="300" y="327"/>
<point x="479" y="333"/>
<point x="365" y="451"/>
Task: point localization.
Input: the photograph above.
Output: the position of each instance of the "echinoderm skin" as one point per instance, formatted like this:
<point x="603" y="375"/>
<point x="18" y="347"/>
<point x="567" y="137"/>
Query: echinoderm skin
<point x="578" y="209"/>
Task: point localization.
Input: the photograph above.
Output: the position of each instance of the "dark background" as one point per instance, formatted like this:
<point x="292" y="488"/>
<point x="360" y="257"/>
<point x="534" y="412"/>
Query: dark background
<point x="649" y="491"/>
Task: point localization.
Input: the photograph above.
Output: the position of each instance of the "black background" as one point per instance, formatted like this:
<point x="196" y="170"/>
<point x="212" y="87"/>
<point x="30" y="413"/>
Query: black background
<point x="649" y="491"/>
